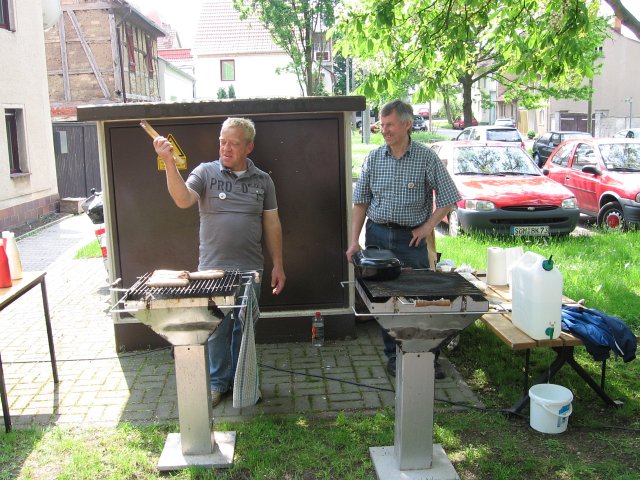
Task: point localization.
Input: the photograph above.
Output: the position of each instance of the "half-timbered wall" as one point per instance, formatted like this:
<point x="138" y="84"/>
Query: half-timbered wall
<point x="101" y="52"/>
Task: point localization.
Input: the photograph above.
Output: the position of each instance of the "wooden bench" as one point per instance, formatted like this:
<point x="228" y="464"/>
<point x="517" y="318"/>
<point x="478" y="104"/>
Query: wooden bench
<point x="517" y="340"/>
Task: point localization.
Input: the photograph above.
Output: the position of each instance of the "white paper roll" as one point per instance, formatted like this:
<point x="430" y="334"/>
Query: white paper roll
<point x="496" y="266"/>
<point x="513" y="255"/>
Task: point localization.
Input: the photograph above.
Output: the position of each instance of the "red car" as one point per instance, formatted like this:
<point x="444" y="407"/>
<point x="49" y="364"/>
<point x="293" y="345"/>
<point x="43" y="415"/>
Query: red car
<point x="503" y="191"/>
<point x="603" y="174"/>
<point x="458" y="123"/>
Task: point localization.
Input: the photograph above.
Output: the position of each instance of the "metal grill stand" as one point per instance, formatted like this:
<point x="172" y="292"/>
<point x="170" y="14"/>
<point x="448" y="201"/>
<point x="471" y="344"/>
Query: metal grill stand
<point x="420" y="325"/>
<point x="187" y="322"/>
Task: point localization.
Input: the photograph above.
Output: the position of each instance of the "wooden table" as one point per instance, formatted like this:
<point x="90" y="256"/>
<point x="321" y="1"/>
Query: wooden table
<point x="9" y="295"/>
<point x="516" y="339"/>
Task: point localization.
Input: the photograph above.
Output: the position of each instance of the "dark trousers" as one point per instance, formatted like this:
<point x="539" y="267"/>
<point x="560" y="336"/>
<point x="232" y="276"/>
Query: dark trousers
<point x="397" y="240"/>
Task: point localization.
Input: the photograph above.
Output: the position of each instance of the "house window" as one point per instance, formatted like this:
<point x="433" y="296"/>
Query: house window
<point x="130" y="48"/>
<point x="14" y="125"/>
<point x="324" y="56"/>
<point x="150" y="59"/>
<point x="4" y="15"/>
<point x="227" y="70"/>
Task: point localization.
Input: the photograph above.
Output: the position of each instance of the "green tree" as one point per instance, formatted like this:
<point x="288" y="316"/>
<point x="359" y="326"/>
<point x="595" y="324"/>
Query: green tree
<point x="232" y="91"/>
<point x="297" y="26"/>
<point x="534" y="48"/>
<point x="340" y="71"/>
<point x="222" y="93"/>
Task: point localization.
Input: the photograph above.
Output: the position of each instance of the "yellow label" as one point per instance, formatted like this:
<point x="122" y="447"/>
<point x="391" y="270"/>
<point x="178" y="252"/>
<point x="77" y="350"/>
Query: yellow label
<point x="181" y="161"/>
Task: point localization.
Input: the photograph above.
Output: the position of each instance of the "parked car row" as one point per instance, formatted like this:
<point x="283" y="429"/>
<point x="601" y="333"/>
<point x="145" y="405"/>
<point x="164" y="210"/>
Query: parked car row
<point x="505" y="191"/>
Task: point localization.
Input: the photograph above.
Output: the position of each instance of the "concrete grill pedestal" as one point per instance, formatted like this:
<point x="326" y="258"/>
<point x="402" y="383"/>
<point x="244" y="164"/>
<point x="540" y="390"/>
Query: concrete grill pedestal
<point x="187" y="322"/>
<point x="413" y="454"/>
<point x="196" y="444"/>
<point x="422" y="310"/>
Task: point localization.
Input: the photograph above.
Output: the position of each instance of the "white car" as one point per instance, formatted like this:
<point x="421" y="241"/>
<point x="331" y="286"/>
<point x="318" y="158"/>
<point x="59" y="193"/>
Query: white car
<point x="505" y="122"/>
<point x="484" y="133"/>
<point x="628" y="133"/>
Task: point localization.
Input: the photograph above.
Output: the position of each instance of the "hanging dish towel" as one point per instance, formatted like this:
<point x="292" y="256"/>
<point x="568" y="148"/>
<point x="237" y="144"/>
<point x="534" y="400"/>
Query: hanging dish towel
<point x="246" y="390"/>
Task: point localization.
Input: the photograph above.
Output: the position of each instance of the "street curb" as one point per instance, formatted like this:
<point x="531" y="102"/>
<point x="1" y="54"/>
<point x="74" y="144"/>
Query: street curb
<point x="42" y="227"/>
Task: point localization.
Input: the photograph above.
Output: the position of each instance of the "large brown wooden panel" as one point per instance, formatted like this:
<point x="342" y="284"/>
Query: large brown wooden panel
<point x="303" y="155"/>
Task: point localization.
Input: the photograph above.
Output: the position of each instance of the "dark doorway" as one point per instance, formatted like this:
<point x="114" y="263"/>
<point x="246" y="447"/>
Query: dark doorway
<point x="77" y="164"/>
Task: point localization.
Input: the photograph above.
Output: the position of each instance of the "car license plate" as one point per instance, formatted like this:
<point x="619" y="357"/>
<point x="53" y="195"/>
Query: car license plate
<point x="531" y="231"/>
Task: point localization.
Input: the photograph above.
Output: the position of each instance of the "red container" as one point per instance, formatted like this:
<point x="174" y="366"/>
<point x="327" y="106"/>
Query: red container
<point x="5" y="273"/>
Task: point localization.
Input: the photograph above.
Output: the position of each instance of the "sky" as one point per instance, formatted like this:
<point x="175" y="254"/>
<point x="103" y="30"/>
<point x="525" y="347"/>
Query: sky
<point x="183" y="14"/>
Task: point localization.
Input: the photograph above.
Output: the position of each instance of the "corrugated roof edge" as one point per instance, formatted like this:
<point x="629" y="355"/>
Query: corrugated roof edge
<point x="213" y="108"/>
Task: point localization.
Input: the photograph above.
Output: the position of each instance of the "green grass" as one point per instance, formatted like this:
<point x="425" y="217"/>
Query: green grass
<point x="91" y="250"/>
<point x="601" y="443"/>
<point x="359" y="150"/>
<point x="481" y="445"/>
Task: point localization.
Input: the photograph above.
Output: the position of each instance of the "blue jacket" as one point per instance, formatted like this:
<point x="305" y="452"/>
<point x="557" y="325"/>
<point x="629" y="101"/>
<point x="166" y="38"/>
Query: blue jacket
<point x="600" y="332"/>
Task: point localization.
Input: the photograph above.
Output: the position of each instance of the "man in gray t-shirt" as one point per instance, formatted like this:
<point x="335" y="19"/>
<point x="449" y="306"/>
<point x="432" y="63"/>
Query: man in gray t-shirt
<point x="238" y="209"/>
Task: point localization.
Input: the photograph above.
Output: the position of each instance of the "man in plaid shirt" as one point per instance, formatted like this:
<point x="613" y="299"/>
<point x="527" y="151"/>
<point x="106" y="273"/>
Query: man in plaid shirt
<point x="395" y="195"/>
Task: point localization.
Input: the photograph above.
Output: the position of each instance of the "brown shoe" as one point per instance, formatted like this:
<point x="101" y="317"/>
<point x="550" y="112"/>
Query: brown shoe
<point x="216" y="397"/>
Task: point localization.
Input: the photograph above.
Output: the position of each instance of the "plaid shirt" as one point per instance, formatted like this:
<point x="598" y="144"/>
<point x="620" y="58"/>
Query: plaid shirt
<point x="401" y="190"/>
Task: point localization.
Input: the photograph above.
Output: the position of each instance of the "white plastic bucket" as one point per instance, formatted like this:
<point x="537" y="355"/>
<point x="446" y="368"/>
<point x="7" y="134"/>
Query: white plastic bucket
<point x="550" y="407"/>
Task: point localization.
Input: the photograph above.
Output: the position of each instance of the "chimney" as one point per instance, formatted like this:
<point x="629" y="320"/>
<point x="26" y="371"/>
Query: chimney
<point x="617" y="25"/>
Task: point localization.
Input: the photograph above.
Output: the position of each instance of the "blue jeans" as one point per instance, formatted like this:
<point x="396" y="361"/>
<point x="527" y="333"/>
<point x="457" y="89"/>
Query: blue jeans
<point x="397" y="241"/>
<point x="223" y="347"/>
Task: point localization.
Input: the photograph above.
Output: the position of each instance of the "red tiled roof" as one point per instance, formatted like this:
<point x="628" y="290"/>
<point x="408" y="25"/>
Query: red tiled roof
<point x="176" y="54"/>
<point x="220" y="31"/>
<point x="170" y="41"/>
<point x="64" y="113"/>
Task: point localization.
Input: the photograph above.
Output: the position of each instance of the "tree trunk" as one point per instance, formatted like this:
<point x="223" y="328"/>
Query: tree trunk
<point x="308" y="57"/>
<point x="466" y="99"/>
<point x="625" y="16"/>
<point x="447" y="108"/>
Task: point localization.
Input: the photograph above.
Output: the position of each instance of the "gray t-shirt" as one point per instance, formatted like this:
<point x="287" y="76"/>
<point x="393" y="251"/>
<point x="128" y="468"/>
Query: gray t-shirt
<point x="231" y="214"/>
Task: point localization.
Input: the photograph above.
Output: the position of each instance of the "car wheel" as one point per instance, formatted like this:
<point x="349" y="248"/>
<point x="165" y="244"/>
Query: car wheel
<point x="454" y="224"/>
<point x="611" y="216"/>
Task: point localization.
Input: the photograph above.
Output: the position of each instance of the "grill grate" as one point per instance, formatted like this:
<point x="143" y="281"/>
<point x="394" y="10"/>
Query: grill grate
<point x="421" y="284"/>
<point x="225" y="286"/>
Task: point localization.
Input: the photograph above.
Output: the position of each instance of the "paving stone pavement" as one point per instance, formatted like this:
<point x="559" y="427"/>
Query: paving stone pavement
<point x="99" y="387"/>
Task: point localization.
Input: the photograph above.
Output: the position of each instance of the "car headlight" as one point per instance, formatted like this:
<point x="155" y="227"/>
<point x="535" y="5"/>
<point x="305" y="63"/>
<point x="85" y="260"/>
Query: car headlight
<point x="479" y="205"/>
<point x="638" y="198"/>
<point x="569" y="203"/>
